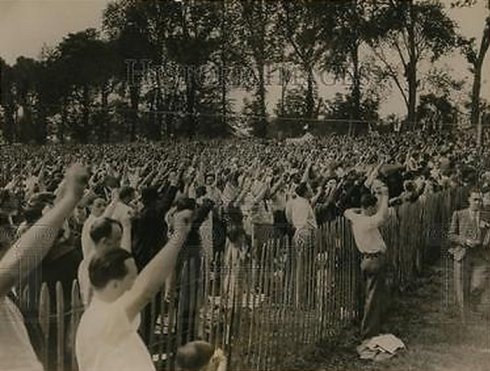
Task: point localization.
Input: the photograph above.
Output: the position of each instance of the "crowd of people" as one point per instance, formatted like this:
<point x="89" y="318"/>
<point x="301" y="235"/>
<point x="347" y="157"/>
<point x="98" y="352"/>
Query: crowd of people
<point x="128" y="216"/>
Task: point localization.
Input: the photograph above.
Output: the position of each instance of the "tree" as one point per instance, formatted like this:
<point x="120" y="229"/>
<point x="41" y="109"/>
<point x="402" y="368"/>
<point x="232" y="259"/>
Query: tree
<point x="260" y="47"/>
<point x="7" y="102"/>
<point x="303" y="30"/>
<point x="294" y="113"/>
<point x="127" y="25"/>
<point x="340" y="108"/>
<point x="345" y="26"/>
<point x="476" y="57"/>
<point x="413" y="31"/>
<point x="435" y="111"/>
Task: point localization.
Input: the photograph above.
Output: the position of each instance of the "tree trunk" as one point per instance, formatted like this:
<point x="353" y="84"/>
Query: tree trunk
<point x="64" y="116"/>
<point x="41" y="128"/>
<point x="475" y="92"/>
<point x="223" y="73"/>
<point x="356" y="90"/>
<point x="9" y="130"/>
<point x="106" y="119"/>
<point x="134" y="96"/>
<point x="310" y="99"/>
<point x="261" y="92"/>
<point x="261" y="129"/>
<point x="84" y="130"/>
<point x="411" y="71"/>
<point x="191" y="104"/>
<point x="159" y="122"/>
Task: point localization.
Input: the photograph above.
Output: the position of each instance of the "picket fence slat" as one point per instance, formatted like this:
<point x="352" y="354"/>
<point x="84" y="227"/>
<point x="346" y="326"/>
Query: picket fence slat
<point x="264" y="308"/>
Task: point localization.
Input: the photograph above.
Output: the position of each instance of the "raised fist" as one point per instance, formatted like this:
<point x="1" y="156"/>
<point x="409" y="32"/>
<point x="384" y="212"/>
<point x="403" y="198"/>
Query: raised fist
<point x="76" y="180"/>
<point x="183" y="221"/>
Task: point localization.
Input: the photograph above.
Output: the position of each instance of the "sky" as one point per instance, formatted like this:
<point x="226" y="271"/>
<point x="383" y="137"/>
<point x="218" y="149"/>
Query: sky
<point x="27" y="25"/>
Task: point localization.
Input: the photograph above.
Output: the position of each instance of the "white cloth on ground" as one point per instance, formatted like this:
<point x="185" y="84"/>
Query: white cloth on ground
<point x="380" y="347"/>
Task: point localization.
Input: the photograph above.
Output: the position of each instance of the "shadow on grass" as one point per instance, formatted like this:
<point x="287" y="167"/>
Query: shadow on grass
<point x="433" y="334"/>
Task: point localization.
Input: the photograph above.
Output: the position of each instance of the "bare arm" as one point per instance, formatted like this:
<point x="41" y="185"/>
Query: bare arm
<point x="382" y="213"/>
<point x="38" y="239"/>
<point x="153" y="276"/>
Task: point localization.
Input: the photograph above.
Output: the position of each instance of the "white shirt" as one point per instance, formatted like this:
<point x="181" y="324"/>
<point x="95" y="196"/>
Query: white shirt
<point x="300" y="213"/>
<point x="366" y="231"/>
<point x="16" y="352"/>
<point x="107" y="341"/>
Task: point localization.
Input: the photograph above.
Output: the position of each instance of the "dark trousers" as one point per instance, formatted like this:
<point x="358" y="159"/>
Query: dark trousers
<point x="373" y="269"/>
<point x="188" y="301"/>
<point x="148" y="323"/>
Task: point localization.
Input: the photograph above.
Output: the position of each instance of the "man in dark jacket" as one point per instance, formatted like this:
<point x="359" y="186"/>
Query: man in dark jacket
<point x="150" y="228"/>
<point x="149" y="237"/>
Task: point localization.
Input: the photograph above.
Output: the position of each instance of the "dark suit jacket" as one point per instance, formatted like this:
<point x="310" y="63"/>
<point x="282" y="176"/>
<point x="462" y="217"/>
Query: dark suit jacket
<point x="150" y="229"/>
<point x="464" y="227"/>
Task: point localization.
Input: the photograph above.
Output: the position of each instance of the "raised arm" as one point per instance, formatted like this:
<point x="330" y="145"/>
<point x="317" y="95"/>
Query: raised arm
<point x="37" y="240"/>
<point x="382" y="214"/>
<point x="153" y="276"/>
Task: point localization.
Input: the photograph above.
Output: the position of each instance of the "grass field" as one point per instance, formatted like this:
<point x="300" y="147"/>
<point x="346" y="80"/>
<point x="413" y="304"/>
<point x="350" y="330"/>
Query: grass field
<point x="434" y="336"/>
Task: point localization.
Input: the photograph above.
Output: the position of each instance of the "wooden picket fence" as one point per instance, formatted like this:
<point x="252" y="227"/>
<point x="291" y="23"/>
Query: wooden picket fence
<point x="262" y="309"/>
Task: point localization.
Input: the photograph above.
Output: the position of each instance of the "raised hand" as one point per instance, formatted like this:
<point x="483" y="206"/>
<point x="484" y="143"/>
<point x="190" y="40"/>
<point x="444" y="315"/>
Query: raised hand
<point x="76" y="180"/>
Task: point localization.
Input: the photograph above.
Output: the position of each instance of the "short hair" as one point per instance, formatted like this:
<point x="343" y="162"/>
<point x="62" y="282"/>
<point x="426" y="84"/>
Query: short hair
<point x="473" y="190"/>
<point x="200" y="191"/>
<point x="149" y="195"/>
<point x="368" y="200"/>
<point x="102" y="228"/>
<point x="185" y="203"/>
<point x="107" y="266"/>
<point x="195" y="355"/>
<point x="126" y="192"/>
<point x="301" y="189"/>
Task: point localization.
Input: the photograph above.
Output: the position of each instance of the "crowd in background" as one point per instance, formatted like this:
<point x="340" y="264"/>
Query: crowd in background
<point x="235" y="183"/>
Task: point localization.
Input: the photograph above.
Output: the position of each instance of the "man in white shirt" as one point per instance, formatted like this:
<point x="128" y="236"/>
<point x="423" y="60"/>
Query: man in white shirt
<point x="105" y="234"/>
<point x="97" y="208"/>
<point x="123" y="213"/>
<point x="300" y="214"/>
<point x="16" y="352"/>
<point x="107" y="337"/>
<point x="365" y="226"/>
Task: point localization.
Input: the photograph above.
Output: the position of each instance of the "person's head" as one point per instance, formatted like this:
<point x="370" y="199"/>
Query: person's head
<point x="301" y="190"/>
<point x="194" y="356"/>
<point x="149" y="196"/>
<point x="106" y="233"/>
<point x="126" y="194"/>
<point x="210" y="177"/>
<point x="185" y="203"/>
<point x="200" y="191"/>
<point x="33" y="213"/>
<point x="331" y="183"/>
<point x="475" y="199"/>
<point x="112" y="272"/>
<point x="97" y="207"/>
<point x="80" y="213"/>
<point x="368" y="203"/>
